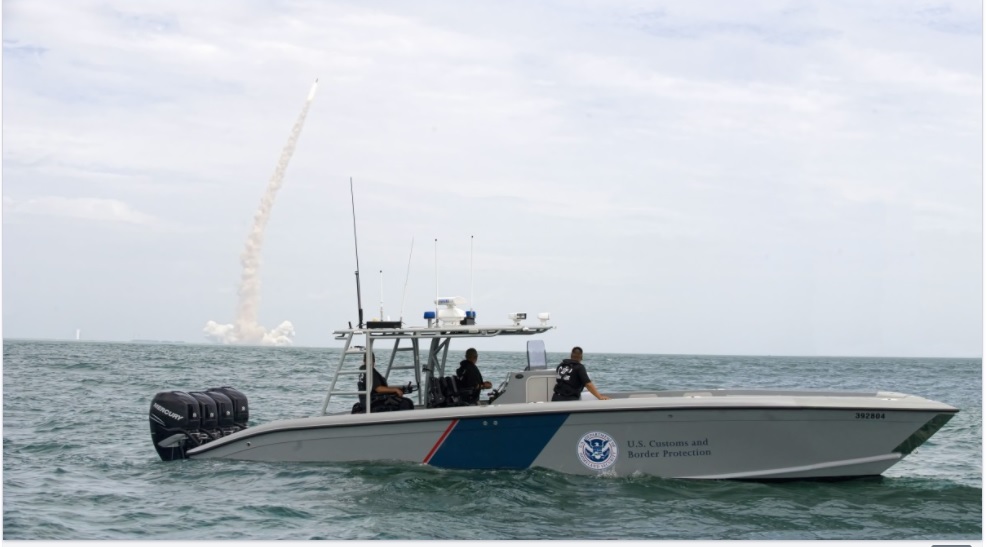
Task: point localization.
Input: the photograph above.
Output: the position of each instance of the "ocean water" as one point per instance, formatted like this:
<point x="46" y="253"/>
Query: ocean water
<point x="78" y="461"/>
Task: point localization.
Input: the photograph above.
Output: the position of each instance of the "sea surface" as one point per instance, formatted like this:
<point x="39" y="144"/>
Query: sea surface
<point x="78" y="462"/>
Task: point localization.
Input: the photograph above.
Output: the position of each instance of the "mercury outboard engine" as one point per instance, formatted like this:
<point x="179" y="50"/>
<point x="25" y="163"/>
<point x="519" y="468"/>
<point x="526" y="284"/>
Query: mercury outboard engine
<point x="183" y="420"/>
<point x="208" y="414"/>
<point x="238" y="401"/>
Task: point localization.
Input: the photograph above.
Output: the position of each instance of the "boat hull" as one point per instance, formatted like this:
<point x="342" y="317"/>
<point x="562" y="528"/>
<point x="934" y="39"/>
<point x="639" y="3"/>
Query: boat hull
<point x="746" y="438"/>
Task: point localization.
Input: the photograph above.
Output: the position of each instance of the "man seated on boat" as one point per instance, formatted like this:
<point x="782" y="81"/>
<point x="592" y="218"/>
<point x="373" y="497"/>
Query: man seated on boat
<point x="571" y="377"/>
<point x="469" y="379"/>
<point x="383" y="398"/>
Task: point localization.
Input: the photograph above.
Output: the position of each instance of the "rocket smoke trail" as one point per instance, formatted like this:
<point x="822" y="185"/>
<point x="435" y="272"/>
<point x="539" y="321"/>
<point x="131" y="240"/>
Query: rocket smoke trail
<point x="245" y="329"/>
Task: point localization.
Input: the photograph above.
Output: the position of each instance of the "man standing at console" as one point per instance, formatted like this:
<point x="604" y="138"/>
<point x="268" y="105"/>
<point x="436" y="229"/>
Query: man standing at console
<point x="571" y="377"/>
<point x="469" y="378"/>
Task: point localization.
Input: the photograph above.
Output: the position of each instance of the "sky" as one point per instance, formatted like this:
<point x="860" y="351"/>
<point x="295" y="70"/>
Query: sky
<point x="749" y="178"/>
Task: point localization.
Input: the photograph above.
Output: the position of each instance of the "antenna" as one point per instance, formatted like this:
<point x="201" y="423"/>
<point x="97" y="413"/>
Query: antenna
<point x="381" y="295"/>
<point x="359" y="303"/>
<point x="436" y="277"/>
<point x="406" y="276"/>
<point x="471" y="273"/>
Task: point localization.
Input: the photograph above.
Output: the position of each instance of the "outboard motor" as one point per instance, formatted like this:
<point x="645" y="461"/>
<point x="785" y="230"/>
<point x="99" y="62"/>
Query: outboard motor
<point x="208" y="412"/>
<point x="174" y="415"/>
<point x="183" y="420"/>
<point x="241" y="411"/>
<point x="224" y="411"/>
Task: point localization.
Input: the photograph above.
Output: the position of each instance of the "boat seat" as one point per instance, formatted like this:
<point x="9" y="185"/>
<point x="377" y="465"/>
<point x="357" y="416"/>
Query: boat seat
<point x="435" y="397"/>
<point x="445" y="392"/>
<point x="451" y="391"/>
<point x="384" y="403"/>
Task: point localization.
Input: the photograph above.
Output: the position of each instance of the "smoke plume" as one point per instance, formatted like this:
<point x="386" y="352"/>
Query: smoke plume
<point x="245" y="329"/>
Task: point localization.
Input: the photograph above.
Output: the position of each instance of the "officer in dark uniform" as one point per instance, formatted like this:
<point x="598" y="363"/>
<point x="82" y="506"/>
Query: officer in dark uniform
<point x="468" y="377"/>
<point x="571" y="378"/>
<point x="383" y="396"/>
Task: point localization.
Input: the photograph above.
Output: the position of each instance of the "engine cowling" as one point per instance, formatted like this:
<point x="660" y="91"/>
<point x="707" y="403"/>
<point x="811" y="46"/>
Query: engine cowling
<point x="241" y="410"/>
<point x="182" y="420"/>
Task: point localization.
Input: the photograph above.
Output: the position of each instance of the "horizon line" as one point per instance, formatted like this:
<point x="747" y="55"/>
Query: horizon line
<point x="214" y="344"/>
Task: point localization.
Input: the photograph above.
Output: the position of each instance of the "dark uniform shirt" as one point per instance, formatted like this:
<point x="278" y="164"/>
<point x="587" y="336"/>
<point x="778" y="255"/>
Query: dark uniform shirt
<point x="379" y="380"/>
<point x="381" y="401"/>
<point x="469" y="379"/>
<point x="570" y="379"/>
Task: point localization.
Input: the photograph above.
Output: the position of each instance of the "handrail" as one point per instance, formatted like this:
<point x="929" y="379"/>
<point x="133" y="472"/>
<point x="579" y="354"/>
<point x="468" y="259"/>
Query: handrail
<point x="436" y="354"/>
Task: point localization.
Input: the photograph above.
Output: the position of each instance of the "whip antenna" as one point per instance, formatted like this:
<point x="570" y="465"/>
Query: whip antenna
<point x="436" y="278"/>
<point x="406" y="276"/>
<point x="381" y="295"/>
<point x="359" y="302"/>
<point x="471" y="273"/>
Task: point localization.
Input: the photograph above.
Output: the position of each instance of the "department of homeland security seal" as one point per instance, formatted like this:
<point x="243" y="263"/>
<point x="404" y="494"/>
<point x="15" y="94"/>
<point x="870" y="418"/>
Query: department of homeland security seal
<point x="597" y="450"/>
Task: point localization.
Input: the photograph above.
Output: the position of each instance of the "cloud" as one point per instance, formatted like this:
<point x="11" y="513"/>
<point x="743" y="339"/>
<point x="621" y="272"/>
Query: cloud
<point x="641" y="143"/>
<point x="97" y="209"/>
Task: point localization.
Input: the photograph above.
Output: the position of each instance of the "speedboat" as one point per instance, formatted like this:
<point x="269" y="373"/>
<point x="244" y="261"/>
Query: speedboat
<point x="696" y="434"/>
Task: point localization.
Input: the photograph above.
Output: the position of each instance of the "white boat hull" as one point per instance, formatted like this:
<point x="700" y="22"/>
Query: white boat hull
<point x="715" y="435"/>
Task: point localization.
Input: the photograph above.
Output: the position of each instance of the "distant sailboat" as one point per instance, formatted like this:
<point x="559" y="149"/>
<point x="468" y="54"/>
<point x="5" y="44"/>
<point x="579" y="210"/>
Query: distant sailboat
<point x="77" y="333"/>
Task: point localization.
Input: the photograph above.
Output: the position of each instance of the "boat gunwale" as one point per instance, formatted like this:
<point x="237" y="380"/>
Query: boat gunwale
<point x="490" y="412"/>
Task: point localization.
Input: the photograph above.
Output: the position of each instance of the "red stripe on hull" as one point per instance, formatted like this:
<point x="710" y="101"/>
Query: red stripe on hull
<point x="438" y="443"/>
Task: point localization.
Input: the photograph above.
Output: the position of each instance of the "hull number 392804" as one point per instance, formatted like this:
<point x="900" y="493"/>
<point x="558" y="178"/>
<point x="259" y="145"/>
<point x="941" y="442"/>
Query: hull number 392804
<point x="869" y="415"/>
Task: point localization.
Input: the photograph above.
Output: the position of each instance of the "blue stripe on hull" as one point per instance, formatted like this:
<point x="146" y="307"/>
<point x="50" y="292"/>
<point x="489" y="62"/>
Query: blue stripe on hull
<point x="511" y="442"/>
